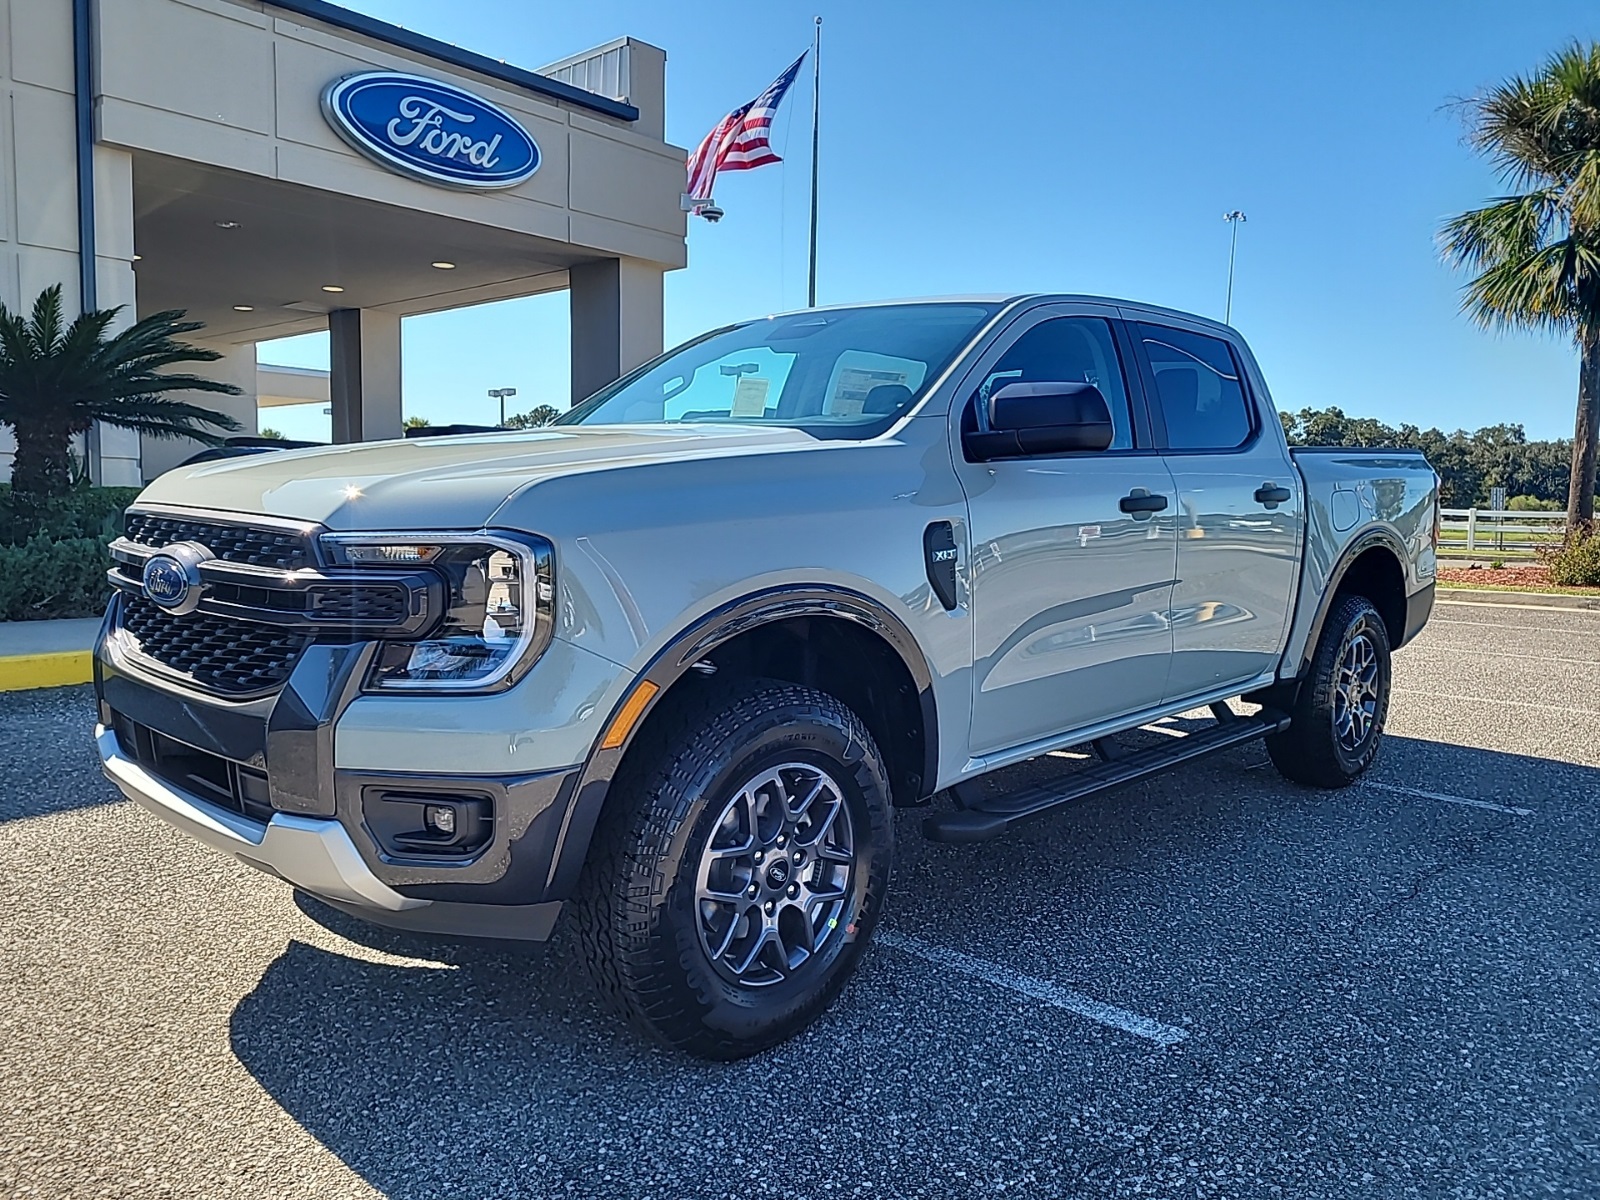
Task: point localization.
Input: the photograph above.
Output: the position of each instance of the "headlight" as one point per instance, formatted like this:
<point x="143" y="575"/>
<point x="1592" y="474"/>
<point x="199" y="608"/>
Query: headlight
<point x="499" y="599"/>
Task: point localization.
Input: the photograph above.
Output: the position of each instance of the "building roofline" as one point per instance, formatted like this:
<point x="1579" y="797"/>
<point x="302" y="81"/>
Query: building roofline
<point x="354" y="22"/>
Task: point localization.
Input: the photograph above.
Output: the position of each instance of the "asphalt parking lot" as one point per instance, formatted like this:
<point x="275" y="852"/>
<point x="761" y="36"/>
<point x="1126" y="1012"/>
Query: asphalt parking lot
<point x="1214" y="984"/>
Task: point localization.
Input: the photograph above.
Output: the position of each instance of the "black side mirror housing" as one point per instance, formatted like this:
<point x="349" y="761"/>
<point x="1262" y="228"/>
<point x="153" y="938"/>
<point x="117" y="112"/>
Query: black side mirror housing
<point x="1043" y="418"/>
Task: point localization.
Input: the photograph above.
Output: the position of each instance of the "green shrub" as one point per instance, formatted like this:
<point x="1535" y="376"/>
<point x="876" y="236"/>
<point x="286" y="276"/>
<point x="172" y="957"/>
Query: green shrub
<point x="84" y="512"/>
<point x="58" y="567"/>
<point x="43" y="578"/>
<point x="1577" y="562"/>
<point x="1533" y="504"/>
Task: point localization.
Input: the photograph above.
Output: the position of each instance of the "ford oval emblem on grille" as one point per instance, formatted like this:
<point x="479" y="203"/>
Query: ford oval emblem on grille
<point x="171" y="577"/>
<point x="430" y="130"/>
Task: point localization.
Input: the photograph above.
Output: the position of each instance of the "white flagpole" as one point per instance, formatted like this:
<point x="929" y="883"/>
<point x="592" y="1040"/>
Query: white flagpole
<point x="816" y="108"/>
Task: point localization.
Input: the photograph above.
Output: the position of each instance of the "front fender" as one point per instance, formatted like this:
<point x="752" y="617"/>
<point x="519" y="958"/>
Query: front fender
<point x="677" y="658"/>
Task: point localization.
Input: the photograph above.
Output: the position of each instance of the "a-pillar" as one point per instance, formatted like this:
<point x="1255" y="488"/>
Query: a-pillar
<point x="616" y="320"/>
<point x="364" y="380"/>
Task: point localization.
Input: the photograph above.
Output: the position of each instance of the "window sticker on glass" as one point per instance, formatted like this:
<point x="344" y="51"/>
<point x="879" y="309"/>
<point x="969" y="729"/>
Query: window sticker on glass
<point x="750" y="396"/>
<point x="855" y="384"/>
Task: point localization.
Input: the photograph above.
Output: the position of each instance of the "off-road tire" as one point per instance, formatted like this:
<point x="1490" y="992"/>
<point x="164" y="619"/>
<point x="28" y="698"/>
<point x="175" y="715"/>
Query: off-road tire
<point x="1310" y="750"/>
<point x="637" y="911"/>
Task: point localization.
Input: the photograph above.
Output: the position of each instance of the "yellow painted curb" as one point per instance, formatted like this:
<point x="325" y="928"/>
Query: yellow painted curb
<point x="21" y="671"/>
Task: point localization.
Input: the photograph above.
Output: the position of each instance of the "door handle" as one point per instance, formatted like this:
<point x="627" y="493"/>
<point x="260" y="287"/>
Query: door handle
<point x="1272" y="495"/>
<point x="1141" y="504"/>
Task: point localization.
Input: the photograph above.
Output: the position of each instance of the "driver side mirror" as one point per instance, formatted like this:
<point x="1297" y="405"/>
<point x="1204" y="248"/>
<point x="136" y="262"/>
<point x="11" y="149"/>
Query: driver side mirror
<point x="1043" y="418"/>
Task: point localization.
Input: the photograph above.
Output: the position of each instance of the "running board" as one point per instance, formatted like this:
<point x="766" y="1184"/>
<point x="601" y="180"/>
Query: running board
<point x="993" y="816"/>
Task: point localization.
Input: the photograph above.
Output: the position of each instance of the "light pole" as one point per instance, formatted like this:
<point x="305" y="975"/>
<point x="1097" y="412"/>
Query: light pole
<point x="1234" y="218"/>
<point x="500" y="394"/>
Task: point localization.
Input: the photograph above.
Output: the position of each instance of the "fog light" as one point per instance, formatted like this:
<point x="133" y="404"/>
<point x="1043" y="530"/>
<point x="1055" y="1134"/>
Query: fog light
<point x="440" y="818"/>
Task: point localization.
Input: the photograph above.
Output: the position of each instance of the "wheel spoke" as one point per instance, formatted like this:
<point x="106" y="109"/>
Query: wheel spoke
<point x="751" y="895"/>
<point x="734" y="921"/>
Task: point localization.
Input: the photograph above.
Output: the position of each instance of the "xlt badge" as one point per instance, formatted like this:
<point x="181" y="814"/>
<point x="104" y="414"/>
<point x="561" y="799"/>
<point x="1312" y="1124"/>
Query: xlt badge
<point x="939" y="554"/>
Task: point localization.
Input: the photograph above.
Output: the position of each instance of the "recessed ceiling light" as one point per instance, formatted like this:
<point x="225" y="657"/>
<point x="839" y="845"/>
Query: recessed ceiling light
<point x="332" y="287"/>
<point x="227" y="225"/>
<point x="445" y="266"/>
<point x="244" y="308"/>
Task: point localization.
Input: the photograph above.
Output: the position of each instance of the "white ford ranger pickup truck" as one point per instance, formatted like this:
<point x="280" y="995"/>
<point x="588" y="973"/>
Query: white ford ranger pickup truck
<point x="676" y="658"/>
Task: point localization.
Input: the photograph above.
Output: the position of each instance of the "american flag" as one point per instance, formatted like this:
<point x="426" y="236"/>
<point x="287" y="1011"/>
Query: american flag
<point x="739" y="142"/>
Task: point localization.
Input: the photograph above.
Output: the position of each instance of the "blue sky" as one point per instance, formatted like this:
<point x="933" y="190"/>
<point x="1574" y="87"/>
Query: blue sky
<point x="1067" y="146"/>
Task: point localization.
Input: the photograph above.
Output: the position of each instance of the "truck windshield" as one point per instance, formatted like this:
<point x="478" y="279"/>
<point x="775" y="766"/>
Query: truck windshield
<point x="842" y="373"/>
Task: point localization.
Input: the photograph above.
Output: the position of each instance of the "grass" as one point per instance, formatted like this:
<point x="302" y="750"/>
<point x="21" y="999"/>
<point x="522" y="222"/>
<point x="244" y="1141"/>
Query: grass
<point x="1548" y="589"/>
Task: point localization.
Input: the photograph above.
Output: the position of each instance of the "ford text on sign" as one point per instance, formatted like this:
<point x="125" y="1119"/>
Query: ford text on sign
<point x="430" y="130"/>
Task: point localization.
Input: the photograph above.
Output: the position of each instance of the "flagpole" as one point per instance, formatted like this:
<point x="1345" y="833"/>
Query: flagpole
<point x="816" y="108"/>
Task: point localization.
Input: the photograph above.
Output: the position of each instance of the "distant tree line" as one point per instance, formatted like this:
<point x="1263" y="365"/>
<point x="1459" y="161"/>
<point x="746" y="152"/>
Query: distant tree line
<point x="1534" y="473"/>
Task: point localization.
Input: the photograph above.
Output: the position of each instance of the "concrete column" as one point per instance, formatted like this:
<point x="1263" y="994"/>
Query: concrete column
<point x="616" y="320"/>
<point x="364" y="384"/>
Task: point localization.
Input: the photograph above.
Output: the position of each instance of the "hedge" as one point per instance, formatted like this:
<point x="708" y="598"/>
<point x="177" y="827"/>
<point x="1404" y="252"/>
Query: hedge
<point x="58" y="568"/>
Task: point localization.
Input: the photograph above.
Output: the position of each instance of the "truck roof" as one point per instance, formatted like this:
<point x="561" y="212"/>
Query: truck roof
<point x="1009" y="299"/>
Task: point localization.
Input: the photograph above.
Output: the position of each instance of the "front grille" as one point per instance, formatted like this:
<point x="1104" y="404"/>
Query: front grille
<point x="258" y="547"/>
<point x="387" y="605"/>
<point x="227" y="656"/>
<point x="222" y="781"/>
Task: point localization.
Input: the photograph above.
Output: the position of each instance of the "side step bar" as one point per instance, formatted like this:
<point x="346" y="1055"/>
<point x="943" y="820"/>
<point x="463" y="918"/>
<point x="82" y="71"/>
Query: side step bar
<point x="995" y="815"/>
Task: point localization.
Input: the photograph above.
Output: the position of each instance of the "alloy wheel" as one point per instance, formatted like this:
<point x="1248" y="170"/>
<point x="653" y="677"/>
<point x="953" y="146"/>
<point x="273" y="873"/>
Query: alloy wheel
<point x="774" y="878"/>
<point x="1355" y="692"/>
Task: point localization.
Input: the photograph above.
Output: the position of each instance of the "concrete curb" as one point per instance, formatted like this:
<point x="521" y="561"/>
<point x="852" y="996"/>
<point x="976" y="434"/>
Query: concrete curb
<point x="42" y="654"/>
<point x="1461" y="595"/>
<point x="20" y="672"/>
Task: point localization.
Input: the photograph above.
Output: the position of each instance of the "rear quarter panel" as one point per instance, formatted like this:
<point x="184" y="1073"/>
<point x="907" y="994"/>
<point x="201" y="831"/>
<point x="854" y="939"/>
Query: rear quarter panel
<point x="1351" y="496"/>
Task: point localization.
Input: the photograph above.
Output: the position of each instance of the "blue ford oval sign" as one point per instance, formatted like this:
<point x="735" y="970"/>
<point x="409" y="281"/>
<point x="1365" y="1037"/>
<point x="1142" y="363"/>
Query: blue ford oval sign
<point x="430" y="130"/>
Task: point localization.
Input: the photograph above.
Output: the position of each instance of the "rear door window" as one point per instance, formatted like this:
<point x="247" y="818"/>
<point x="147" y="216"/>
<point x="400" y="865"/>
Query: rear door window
<point x="1199" y="388"/>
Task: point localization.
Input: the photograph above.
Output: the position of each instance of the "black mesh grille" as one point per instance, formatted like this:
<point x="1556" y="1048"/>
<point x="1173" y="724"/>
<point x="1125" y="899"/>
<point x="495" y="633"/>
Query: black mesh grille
<point x="385" y="604"/>
<point x="228" y="656"/>
<point x="279" y="548"/>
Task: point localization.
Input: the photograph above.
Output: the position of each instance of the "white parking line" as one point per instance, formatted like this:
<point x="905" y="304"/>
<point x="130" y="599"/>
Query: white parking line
<point x="1420" y="794"/>
<point x="1035" y="989"/>
<point x="1520" y="607"/>
<point x="1479" y="652"/>
<point x="1585" y="712"/>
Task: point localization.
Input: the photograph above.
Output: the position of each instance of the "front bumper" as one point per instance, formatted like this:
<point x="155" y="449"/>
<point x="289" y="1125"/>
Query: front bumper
<point x="313" y="853"/>
<point x="318" y="856"/>
<point x="257" y="780"/>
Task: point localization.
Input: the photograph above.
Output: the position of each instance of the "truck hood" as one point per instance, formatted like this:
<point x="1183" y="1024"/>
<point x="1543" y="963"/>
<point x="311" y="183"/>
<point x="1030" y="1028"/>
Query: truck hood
<point x="442" y="482"/>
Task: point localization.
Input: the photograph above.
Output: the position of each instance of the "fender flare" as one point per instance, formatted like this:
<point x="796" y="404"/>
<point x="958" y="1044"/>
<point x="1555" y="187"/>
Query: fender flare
<point x="1378" y="536"/>
<point x="678" y="657"/>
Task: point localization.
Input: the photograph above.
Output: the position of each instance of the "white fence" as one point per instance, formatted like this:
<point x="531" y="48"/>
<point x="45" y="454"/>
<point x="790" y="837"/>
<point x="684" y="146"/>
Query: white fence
<point x="1476" y="529"/>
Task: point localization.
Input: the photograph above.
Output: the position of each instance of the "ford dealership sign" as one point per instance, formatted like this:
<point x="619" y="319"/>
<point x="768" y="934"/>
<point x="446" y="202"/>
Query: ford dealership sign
<point x="430" y="130"/>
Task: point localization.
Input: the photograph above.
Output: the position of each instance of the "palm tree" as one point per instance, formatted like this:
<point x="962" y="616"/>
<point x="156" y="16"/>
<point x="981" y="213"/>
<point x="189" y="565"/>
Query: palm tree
<point x="57" y="380"/>
<point x="1536" y="253"/>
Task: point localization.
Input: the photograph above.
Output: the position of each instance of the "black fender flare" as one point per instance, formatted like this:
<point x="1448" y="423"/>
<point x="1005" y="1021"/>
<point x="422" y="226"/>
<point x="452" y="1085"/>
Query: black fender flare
<point x="1376" y="537"/>
<point x="692" y="644"/>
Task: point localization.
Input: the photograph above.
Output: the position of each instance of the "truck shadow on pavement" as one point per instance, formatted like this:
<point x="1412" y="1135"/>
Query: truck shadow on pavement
<point x="442" y="1070"/>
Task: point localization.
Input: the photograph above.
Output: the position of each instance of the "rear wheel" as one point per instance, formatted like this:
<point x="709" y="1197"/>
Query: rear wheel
<point x="731" y="893"/>
<point x="1340" y="707"/>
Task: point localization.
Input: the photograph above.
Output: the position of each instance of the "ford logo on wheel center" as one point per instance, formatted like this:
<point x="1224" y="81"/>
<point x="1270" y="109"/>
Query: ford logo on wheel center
<point x="430" y="130"/>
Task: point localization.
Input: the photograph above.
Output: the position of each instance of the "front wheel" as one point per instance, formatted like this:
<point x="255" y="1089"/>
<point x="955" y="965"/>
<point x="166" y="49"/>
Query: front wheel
<point x="730" y="895"/>
<point x="1340" y="706"/>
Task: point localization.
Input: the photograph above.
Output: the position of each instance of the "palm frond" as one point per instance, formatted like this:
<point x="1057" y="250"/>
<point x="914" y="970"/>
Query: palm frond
<point x="44" y="327"/>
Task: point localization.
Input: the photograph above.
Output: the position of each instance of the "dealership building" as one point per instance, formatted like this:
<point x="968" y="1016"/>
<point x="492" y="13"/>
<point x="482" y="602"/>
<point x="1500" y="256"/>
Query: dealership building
<point x="278" y="167"/>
